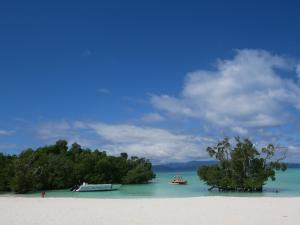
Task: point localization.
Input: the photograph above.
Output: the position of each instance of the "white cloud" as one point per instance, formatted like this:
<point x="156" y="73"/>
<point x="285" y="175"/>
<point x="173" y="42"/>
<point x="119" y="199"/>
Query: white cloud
<point x="172" y="105"/>
<point x="7" y="147"/>
<point x="159" y="145"/>
<point x="53" y="130"/>
<point x="6" y="132"/>
<point x="293" y="149"/>
<point x="245" y="92"/>
<point x="152" y="117"/>
<point x="240" y="130"/>
<point x="153" y="143"/>
<point x="248" y="95"/>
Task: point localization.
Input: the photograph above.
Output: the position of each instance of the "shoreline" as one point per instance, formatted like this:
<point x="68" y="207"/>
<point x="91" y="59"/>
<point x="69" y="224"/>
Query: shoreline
<point x="145" y="198"/>
<point x="212" y="210"/>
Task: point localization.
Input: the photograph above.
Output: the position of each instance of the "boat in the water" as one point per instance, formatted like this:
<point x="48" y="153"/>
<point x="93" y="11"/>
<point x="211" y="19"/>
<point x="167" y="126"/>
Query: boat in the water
<point x="178" y="180"/>
<point x="85" y="187"/>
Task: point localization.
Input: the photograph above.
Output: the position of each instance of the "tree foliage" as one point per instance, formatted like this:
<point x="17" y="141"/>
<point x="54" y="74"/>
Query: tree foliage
<point x="6" y="171"/>
<point x="242" y="168"/>
<point x="58" y="167"/>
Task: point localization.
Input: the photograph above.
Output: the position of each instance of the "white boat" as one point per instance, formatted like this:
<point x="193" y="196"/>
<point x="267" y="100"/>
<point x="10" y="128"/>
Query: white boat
<point x="85" y="187"/>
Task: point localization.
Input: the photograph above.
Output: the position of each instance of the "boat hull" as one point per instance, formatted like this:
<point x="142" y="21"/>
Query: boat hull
<point x="98" y="187"/>
<point x="181" y="183"/>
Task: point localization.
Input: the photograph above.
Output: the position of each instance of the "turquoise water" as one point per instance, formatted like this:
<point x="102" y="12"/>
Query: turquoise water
<point x="287" y="183"/>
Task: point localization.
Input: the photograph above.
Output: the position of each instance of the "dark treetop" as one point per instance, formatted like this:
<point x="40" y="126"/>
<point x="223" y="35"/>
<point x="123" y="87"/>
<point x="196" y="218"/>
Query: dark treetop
<point x="58" y="167"/>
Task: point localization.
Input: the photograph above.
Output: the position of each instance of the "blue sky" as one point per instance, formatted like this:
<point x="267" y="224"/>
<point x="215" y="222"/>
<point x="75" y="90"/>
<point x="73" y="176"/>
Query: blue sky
<point x="161" y="79"/>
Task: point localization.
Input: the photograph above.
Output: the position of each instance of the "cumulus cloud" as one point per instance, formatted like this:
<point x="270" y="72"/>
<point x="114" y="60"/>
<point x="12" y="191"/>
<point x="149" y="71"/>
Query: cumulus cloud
<point x="247" y="91"/>
<point x="159" y="145"/>
<point x="152" y="117"/>
<point x="154" y="143"/>
<point x="254" y="94"/>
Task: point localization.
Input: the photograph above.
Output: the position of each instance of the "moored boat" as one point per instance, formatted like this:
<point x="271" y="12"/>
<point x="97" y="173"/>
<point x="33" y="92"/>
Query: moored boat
<point x="178" y="180"/>
<point x="85" y="187"/>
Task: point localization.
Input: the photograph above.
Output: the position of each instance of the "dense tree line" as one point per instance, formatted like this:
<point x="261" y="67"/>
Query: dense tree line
<point x="240" y="168"/>
<point x="58" y="166"/>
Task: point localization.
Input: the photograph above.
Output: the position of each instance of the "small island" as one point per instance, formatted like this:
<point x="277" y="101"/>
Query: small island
<point x="58" y="166"/>
<point x="241" y="168"/>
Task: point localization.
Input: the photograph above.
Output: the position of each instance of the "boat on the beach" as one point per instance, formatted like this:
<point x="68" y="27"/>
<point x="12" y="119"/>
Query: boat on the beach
<point x="178" y="180"/>
<point x="85" y="187"/>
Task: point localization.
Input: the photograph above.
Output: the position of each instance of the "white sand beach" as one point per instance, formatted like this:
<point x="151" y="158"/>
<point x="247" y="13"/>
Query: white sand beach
<point x="179" y="211"/>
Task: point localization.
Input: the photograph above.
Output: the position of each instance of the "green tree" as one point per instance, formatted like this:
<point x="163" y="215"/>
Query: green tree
<point x="23" y="180"/>
<point x="58" y="167"/>
<point x="140" y="172"/>
<point x="242" y="168"/>
<point x="6" y="171"/>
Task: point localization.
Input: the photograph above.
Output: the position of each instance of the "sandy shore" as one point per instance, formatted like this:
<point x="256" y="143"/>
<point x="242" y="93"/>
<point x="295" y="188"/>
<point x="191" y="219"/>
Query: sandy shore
<point x="184" y="211"/>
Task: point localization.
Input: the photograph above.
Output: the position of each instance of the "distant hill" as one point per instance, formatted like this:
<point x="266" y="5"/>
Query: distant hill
<point x="193" y="165"/>
<point x="293" y="165"/>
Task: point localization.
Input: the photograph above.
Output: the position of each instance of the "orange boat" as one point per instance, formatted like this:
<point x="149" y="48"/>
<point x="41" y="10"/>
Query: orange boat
<point x="178" y="180"/>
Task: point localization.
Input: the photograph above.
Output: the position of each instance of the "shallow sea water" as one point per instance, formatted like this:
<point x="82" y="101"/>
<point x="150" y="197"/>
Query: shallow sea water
<point x="287" y="183"/>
